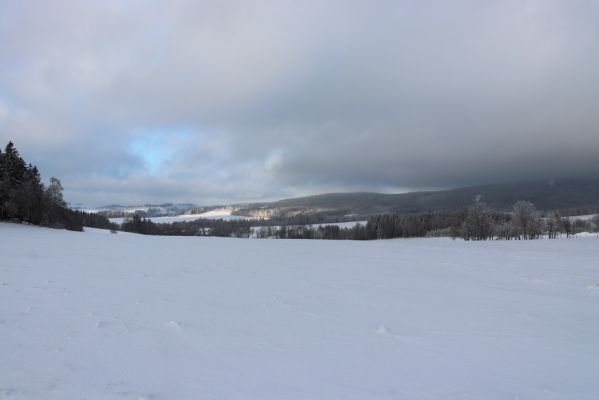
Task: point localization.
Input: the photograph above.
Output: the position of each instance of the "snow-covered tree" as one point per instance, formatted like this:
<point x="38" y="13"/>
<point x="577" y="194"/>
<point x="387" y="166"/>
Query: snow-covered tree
<point x="526" y="220"/>
<point x="478" y="224"/>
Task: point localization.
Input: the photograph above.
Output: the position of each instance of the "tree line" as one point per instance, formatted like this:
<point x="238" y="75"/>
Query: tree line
<point x="476" y="222"/>
<point x="479" y="222"/>
<point x="525" y="222"/>
<point x="24" y="198"/>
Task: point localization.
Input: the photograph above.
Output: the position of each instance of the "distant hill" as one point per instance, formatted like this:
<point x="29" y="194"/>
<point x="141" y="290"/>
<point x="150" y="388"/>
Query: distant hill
<point x="572" y="196"/>
<point x="565" y="194"/>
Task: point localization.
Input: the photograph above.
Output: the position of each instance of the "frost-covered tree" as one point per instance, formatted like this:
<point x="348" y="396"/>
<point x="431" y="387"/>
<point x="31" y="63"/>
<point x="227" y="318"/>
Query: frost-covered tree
<point x="526" y="221"/>
<point x="554" y="224"/>
<point x="54" y="192"/>
<point x="566" y="226"/>
<point x="478" y="224"/>
<point x="580" y="225"/>
<point x="504" y="230"/>
<point x="595" y="221"/>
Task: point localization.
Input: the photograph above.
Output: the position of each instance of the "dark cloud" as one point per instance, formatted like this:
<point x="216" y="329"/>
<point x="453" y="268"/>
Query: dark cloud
<point x="235" y="101"/>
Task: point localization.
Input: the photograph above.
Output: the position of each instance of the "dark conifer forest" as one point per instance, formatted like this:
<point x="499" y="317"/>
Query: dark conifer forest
<point x="24" y="197"/>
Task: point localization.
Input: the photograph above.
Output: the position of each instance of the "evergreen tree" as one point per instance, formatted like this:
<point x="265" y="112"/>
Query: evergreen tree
<point x="23" y="198"/>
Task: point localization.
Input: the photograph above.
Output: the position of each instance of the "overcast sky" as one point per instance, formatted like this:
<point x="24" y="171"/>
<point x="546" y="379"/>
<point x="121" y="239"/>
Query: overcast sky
<point x="225" y="101"/>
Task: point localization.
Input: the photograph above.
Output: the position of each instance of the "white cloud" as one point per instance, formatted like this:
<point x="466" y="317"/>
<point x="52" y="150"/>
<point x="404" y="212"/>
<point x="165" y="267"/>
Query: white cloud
<point x="3" y="113"/>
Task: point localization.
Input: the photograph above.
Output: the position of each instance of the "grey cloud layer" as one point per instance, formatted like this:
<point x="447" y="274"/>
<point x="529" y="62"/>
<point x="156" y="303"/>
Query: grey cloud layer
<point x="284" y="98"/>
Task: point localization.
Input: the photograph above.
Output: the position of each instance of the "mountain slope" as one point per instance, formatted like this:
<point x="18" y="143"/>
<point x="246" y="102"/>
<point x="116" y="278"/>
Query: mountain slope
<point x="562" y="194"/>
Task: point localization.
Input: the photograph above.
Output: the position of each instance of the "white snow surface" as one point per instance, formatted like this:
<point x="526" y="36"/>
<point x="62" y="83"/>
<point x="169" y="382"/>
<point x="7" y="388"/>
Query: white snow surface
<point x="96" y="315"/>
<point x="224" y="214"/>
<point x="342" y="225"/>
<point x="586" y="217"/>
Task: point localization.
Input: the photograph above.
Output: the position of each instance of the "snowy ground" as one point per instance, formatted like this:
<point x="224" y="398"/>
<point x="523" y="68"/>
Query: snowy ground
<point x="342" y="225"/>
<point x="223" y="214"/>
<point x="119" y="316"/>
<point x="586" y="217"/>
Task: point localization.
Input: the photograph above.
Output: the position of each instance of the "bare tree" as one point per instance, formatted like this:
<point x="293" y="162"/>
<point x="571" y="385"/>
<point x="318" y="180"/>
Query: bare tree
<point x="504" y="230"/>
<point x="478" y="224"/>
<point x="526" y="220"/>
<point x="554" y="224"/>
<point x="566" y="226"/>
<point x="54" y="192"/>
<point x="595" y="221"/>
<point x="580" y="225"/>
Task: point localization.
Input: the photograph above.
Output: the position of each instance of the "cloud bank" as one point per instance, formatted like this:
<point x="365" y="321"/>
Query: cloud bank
<point x="227" y="101"/>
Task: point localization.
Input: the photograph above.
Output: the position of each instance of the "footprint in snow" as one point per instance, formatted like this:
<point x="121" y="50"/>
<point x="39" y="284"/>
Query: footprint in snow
<point x="147" y="397"/>
<point x="102" y="324"/>
<point x="593" y="288"/>
<point x="381" y="330"/>
<point x="174" y="325"/>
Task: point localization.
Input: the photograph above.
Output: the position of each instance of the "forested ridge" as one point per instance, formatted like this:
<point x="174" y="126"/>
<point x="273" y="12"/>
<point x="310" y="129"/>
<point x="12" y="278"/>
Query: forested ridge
<point x="571" y="196"/>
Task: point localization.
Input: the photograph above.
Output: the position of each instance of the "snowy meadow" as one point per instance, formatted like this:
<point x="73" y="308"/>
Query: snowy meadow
<point x="96" y="315"/>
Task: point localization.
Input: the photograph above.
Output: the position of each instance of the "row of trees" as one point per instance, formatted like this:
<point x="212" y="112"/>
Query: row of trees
<point x="481" y="223"/>
<point x="378" y="227"/>
<point x="24" y="198"/>
<point x="477" y="222"/>
<point x="524" y="222"/>
<point x="200" y="227"/>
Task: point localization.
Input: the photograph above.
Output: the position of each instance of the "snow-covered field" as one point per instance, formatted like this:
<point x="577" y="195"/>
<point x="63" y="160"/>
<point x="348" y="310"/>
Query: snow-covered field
<point x="342" y="225"/>
<point x="586" y="217"/>
<point x="96" y="315"/>
<point x="214" y="214"/>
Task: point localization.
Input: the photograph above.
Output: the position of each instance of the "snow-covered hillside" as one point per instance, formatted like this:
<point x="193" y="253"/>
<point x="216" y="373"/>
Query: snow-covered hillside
<point x="96" y="315"/>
